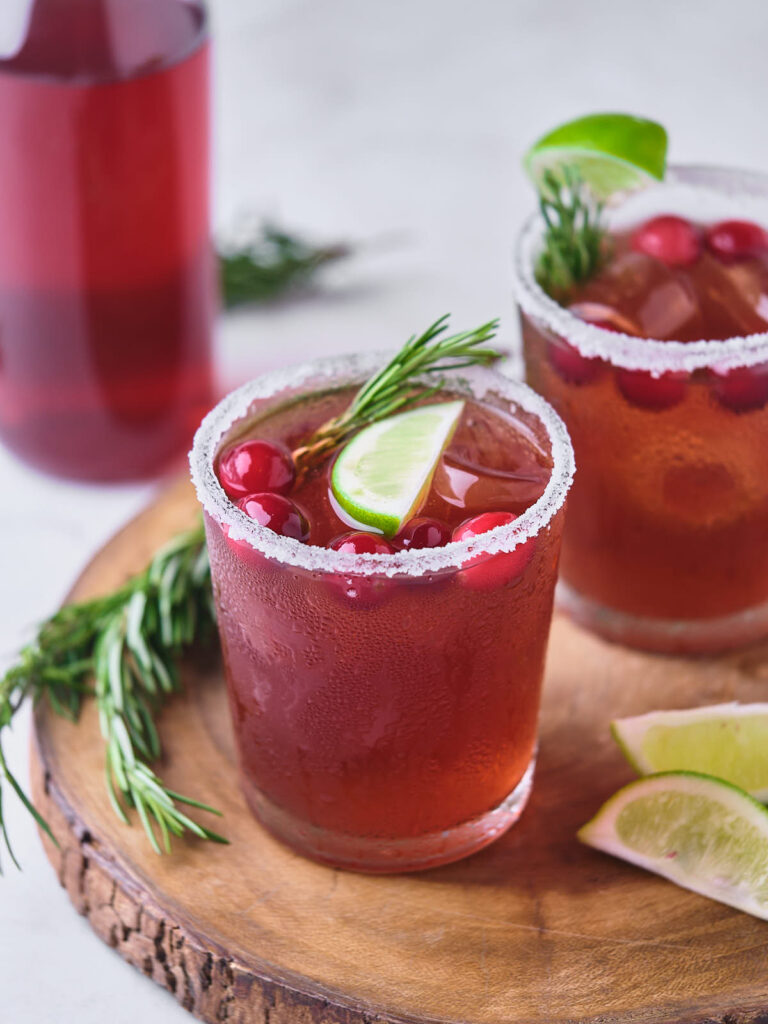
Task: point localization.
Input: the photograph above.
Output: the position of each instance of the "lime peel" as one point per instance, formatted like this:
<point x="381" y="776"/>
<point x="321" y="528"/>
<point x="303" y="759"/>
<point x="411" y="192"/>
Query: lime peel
<point x="611" y="152"/>
<point x="729" y="741"/>
<point x="698" y="831"/>
<point x="383" y="475"/>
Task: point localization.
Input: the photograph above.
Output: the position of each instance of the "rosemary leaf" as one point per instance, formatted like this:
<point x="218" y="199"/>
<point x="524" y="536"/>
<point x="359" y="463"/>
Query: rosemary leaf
<point x="271" y="264"/>
<point x="574" y="234"/>
<point x="396" y="385"/>
<point x="128" y="643"/>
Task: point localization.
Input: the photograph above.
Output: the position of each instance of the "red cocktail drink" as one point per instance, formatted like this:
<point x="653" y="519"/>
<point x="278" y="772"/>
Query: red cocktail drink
<point x="385" y="694"/>
<point x="659" y="366"/>
<point x="106" y="273"/>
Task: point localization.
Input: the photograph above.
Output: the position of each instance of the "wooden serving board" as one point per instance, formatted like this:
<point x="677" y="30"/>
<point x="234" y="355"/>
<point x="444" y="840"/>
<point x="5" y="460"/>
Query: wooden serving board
<point x="536" y="929"/>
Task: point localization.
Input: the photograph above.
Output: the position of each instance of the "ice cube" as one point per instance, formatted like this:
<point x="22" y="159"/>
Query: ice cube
<point x="656" y="301"/>
<point x="734" y="297"/>
<point x="464" y="484"/>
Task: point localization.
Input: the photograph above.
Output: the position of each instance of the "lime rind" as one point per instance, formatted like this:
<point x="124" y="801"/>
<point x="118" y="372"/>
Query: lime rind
<point x="729" y="741"/>
<point x="382" y="476"/>
<point x="612" y="152"/>
<point x="698" y="831"/>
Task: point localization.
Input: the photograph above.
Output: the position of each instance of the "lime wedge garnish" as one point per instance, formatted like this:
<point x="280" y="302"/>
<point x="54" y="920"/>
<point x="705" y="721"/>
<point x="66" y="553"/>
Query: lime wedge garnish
<point x="382" y="476"/>
<point x="697" y="831"/>
<point x="726" y="740"/>
<point x="611" y="152"/>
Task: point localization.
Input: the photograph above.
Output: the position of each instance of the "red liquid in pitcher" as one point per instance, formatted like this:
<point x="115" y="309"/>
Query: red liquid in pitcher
<point x="106" y="275"/>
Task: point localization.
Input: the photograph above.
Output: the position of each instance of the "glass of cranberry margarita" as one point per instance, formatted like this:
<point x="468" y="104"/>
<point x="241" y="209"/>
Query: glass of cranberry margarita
<point x="385" y="694"/>
<point x="659" y="367"/>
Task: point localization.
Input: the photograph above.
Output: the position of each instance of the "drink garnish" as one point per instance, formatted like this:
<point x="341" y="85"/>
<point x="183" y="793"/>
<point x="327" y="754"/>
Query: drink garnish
<point x="698" y="831"/>
<point x="575" y="168"/>
<point x="382" y="475"/>
<point x="609" y="152"/>
<point x="396" y="386"/>
<point x="726" y="740"/>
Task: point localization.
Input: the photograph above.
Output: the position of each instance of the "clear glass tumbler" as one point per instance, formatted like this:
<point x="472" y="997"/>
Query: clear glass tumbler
<point x="385" y="712"/>
<point x="666" y="542"/>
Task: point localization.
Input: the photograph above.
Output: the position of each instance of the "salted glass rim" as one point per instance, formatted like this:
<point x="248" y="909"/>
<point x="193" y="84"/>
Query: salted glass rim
<point x="701" y="182"/>
<point x="343" y="371"/>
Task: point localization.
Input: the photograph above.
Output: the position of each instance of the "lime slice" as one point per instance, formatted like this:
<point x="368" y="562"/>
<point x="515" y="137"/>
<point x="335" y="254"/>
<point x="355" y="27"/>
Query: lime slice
<point x="726" y="740"/>
<point x="697" y="831"/>
<point x="611" y="152"/>
<point x="383" y="474"/>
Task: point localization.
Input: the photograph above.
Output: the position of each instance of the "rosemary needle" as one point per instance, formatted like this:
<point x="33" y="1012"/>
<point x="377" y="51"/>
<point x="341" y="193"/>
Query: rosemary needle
<point x="270" y="264"/>
<point x="123" y="648"/>
<point x="573" y="244"/>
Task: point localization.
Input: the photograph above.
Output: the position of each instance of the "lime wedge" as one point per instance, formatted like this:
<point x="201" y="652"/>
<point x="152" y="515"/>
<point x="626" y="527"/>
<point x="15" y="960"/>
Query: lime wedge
<point x="697" y="831"/>
<point x="611" y="152"/>
<point x="382" y="476"/>
<point x="726" y="740"/>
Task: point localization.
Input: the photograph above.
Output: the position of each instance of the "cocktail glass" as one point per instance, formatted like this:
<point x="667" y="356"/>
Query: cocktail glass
<point x="666" y="542"/>
<point x="385" y="706"/>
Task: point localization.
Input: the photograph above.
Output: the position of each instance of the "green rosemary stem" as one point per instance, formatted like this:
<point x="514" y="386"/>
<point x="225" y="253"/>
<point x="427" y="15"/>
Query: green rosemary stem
<point x="123" y="648"/>
<point x="396" y="385"/>
<point x="271" y="264"/>
<point x="574" y="233"/>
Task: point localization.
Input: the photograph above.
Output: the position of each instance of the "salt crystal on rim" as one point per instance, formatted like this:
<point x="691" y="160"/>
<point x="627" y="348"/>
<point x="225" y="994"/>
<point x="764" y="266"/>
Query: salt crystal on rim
<point x="347" y="371"/>
<point x="702" y="193"/>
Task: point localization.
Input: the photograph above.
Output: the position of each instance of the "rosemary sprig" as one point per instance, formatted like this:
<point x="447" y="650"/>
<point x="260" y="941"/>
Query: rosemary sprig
<point x="394" y="387"/>
<point x="270" y="264"/>
<point x="574" y="233"/>
<point x="123" y="649"/>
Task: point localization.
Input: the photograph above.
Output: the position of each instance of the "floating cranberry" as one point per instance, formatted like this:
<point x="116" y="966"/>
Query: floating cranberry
<point x="732" y="240"/>
<point x="742" y="389"/>
<point x="571" y="364"/>
<point x="360" y="543"/>
<point x="255" y="467"/>
<point x="277" y="513"/>
<point x="422" y="532"/>
<point x="484" y="571"/>
<point x="643" y="389"/>
<point x="671" y="240"/>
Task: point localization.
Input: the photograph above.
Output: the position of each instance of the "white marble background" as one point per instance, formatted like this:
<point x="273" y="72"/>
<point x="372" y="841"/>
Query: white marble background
<point x="400" y="124"/>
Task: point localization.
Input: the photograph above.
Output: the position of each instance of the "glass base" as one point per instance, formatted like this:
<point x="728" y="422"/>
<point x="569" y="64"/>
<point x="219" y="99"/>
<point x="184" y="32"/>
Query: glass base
<point x="665" y="636"/>
<point x="379" y="855"/>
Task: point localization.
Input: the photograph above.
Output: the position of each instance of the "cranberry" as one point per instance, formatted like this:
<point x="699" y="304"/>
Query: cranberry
<point x="255" y="467"/>
<point x="483" y="571"/>
<point x="360" y="543"/>
<point x="571" y="364"/>
<point x="671" y="240"/>
<point x="423" y="532"/>
<point x="742" y="389"/>
<point x="641" y="388"/>
<point x="362" y="591"/>
<point x="277" y="513"/>
<point x="732" y="240"/>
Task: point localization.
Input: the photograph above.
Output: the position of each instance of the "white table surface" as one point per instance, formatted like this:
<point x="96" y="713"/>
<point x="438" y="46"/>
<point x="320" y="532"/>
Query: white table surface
<point x="402" y="124"/>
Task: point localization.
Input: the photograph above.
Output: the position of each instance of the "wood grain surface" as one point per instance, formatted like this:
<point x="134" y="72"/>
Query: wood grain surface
<point x="536" y="929"/>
